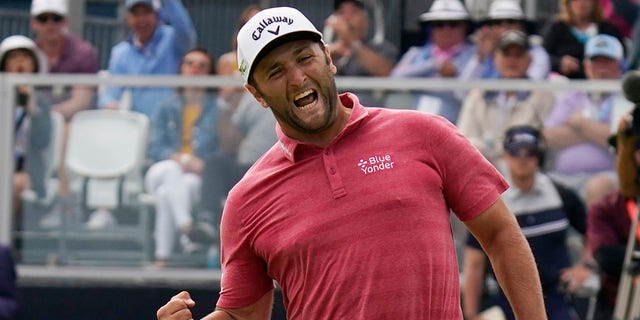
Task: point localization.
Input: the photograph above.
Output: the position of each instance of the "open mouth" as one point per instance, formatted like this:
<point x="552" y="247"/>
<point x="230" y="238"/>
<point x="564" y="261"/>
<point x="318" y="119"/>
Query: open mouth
<point x="306" y="99"/>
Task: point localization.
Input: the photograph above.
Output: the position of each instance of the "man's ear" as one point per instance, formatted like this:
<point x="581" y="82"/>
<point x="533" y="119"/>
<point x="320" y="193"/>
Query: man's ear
<point x="327" y="55"/>
<point x="256" y="95"/>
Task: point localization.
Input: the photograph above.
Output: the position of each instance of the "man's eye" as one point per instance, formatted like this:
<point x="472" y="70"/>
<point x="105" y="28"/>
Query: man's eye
<point x="274" y="73"/>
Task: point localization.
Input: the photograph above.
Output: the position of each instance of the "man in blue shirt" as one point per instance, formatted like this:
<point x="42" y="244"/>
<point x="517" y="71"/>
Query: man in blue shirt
<point x="152" y="48"/>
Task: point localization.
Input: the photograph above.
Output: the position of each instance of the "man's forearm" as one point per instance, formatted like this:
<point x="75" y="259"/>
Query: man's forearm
<point x="517" y="275"/>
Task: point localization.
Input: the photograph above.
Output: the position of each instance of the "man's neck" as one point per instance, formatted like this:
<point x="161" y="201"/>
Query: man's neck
<point x="52" y="47"/>
<point x="523" y="183"/>
<point x="324" y="139"/>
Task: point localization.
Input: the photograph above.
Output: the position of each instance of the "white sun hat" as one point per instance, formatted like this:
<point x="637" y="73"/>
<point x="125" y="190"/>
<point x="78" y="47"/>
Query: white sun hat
<point x="268" y="29"/>
<point x="505" y="9"/>
<point x="445" y="10"/>
<point x="21" y="42"/>
<point x="60" y="7"/>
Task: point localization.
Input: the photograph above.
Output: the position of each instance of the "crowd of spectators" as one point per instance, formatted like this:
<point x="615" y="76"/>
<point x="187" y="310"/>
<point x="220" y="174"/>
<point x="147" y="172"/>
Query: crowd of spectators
<point x="203" y="141"/>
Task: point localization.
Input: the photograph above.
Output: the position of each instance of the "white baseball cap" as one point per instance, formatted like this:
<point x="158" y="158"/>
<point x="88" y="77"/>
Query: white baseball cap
<point x="604" y="45"/>
<point x="445" y="10"/>
<point x="60" y="7"/>
<point x="268" y="29"/>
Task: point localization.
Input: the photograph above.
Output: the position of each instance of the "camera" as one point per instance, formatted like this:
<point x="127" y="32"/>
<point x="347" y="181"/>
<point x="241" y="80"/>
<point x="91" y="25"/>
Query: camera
<point x="631" y="90"/>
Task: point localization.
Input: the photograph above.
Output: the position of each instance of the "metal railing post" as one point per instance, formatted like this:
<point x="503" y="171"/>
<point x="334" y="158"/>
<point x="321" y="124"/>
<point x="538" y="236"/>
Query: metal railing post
<point x="7" y="96"/>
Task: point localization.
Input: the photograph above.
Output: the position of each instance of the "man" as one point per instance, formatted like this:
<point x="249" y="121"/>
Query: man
<point x="579" y="124"/>
<point x="609" y="219"/>
<point x="65" y="53"/>
<point x="353" y="54"/>
<point x="349" y="211"/>
<point x="152" y="48"/>
<point x="504" y="15"/>
<point x="443" y="55"/>
<point x="486" y="115"/>
<point x="544" y="210"/>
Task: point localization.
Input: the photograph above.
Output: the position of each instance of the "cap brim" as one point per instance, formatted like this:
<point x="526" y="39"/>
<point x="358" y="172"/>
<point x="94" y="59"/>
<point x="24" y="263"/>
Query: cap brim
<point x="292" y="36"/>
<point x="443" y="16"/>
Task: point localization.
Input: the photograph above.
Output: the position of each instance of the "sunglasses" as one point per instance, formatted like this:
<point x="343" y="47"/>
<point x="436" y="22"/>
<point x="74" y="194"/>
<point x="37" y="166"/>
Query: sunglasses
<point x="500" y="22"/>
<point x="523" y="151"/>
<point x="43" y="18"/>
<point x="198" y="64"/>
<point x="442" y="24"/>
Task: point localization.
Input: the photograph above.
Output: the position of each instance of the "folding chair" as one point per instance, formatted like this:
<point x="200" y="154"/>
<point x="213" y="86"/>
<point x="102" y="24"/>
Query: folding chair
<point x="105" y="159"/>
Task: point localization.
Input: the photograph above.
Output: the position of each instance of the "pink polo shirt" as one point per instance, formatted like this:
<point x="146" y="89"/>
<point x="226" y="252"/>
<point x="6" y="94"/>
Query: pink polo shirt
<point x="359" y="229"/>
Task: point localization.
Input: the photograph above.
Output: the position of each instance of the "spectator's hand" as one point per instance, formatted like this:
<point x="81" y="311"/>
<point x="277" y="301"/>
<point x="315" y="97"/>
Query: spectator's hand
<point x="486" y="42"/>
<point x="195" y="165"/>
<point x="339" y="49"/>
<point x="343" y="30"/>
<point x="177" y="308"/>
<point x="625" y="122"/>
<point x="576" y="120"/>
<point x="448" y="70"/>
<point x="26" y="93"/>
<point x="569" y="64"/>
<point x="574" y="278"/>
<point x="112" y="106"/>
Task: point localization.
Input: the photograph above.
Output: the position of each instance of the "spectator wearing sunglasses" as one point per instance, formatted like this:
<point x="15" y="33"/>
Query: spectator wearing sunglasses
<point x="183" y="135"/>
<point x="65" y="53"/>
<point x="161" y="34"/>
<point x="444" y="54"/>
<point x="545" y="210"/>
<point x="504" y="15"/>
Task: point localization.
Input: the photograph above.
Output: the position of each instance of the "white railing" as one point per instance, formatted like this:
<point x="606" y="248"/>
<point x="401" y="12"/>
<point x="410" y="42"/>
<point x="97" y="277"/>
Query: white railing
<point x="8" y="83"/>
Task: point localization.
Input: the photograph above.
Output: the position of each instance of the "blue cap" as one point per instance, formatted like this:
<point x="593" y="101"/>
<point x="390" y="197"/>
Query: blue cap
<point x="523" y="139"/>
<point x="131" y="3"/>
<point x="604" y="46"/>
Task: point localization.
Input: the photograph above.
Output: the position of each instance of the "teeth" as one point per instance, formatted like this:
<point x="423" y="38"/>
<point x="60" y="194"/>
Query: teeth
<point x="305" y="107"/>
<point x="304" y="94"/>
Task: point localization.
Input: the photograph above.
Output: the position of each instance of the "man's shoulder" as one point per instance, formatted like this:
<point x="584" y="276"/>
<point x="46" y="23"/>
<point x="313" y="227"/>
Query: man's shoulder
<point x="121" y="48"/>
<point x="402" y="120"/>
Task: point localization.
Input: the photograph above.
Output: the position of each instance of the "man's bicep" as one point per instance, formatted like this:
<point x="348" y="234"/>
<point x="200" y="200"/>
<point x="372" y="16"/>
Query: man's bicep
<point x="260" y="310"/>
<point x="491" y="226"/>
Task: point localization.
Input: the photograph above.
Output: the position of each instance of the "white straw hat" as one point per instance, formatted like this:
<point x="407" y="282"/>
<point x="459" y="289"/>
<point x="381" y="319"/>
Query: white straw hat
<point x="505" y="9"/>
<point x="442" y="10"/>
<point x="268" y="29"/>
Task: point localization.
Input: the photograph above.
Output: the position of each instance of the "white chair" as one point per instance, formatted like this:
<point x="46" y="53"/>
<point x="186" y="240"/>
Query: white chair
<point x="105" y="159"/>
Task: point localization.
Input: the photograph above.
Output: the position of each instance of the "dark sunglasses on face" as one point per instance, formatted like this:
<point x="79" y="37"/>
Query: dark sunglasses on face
<point x="43" y="18"/>
<point x="523" y="151"/>
<point x="198" y="64"/>
<point x="441" y="24"/>
<point x="500" y="22"/>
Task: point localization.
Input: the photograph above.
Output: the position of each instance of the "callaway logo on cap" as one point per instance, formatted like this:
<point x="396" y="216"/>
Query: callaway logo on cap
<point x="258" y="36"/>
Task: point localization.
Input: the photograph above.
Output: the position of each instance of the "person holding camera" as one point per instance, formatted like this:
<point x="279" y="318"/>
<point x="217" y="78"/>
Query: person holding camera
<point x="609" y="220"/>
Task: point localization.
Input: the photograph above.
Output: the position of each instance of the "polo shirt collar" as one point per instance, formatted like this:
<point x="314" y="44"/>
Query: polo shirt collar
<point x="349" y="100"/>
